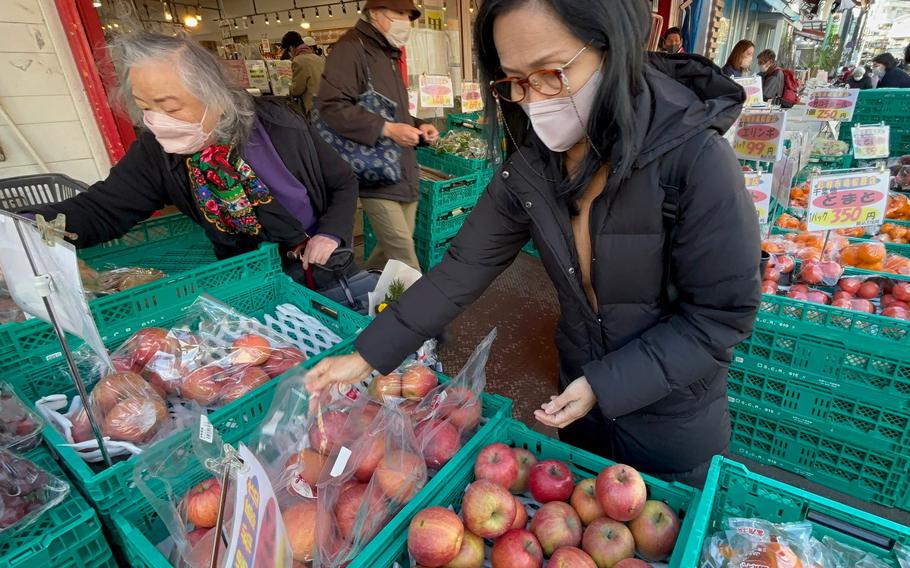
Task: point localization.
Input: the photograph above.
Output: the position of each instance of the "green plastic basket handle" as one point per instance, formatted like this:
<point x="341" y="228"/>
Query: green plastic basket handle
<point x="856" y="532"/>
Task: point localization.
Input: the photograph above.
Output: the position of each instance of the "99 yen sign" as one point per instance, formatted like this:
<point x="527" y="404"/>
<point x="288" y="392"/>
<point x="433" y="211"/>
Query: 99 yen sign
<point x="845" y="201"/>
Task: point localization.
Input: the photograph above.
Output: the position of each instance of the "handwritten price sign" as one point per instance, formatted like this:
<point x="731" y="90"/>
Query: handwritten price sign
<point x="759" y="136"/>
<point x="832" y="104"/>
<point x="753" y="88"/>
<point x="871" y="142"/>
<point x="759" y="187"/>
<point x="436" y="91"/>
<point x="846" y="201"/>
<point x="471" y="99"/>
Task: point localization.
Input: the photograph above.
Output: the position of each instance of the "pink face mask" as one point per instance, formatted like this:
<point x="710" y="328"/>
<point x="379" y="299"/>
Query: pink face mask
<point x="176" y="136"/>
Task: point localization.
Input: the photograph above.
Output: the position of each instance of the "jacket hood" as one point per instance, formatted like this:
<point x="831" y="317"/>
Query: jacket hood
<point x="683" y="95"/>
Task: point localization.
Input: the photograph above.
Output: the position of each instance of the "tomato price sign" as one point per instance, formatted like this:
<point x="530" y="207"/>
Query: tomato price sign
<point x="832" y="104"/>
<point x="436" y="91"/>
<point x="759" y="136"/>
<point x="759" y="186"/>
<point x="471" y="99"/>
<point x="753" y="88"/>
<point x="871" y="142"/>
<point x="845" y="201"/>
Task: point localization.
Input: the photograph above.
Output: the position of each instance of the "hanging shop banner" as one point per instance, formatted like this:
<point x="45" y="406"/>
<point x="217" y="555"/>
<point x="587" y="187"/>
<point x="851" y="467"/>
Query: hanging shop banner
<point x="871" y="142"/>
<point x="759" y="186"/>
<point x="832" y="104"/>
<point x="845" y="201"/>
<point x="471" y="99"/>
<point x="238" y="71"/>
<point x="436" y="91"/>
<point x="259" y="75"/>
<point x="280" y="76"/>
<point x="752" y="86"/>
<point x="412" y="101"/>
<point x="258" y="537"/>
<point x="759" y="136"/>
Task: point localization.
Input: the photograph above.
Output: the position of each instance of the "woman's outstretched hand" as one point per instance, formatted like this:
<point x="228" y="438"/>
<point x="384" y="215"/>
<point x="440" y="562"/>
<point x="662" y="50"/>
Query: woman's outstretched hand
<point x="575" y="402"/>
<point x="344" y="369"/>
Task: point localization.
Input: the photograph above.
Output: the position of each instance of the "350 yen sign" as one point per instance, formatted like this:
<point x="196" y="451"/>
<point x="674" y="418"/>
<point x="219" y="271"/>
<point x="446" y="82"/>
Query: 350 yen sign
<point x="759" y="136"/>
<point x="845" y="201"/>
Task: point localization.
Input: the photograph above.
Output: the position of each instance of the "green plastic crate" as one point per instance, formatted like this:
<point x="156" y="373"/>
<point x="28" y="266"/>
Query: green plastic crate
<point x="176" y="232"/>
<point x="431" y="251"/>
<point x="108" y="489"/>
<point x="807" y="318"/>
<point x="862" y="470"/>
<point x="839" y="417"/>
<point x="853" y="371"/>
<point x="425" y="154"/>
<point x="442" y="224"/>
<point x="139" y="527"/>
<point x="467" y="120"/>
<point x="530" y="249"/>
<point x="33" y="343"/>
<point x="448" y="492"/>
<point x="733" y="491"/>
<point x="66" y="536"/>
<point x="460" y="191"/>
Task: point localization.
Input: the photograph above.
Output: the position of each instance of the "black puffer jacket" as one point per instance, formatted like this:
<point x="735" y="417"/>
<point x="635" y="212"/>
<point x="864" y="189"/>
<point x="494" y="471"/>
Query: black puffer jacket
<point x="658" y="370"/>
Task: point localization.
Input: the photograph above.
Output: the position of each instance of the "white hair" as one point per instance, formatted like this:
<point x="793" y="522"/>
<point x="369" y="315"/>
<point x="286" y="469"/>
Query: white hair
<point x="201" y="72"/>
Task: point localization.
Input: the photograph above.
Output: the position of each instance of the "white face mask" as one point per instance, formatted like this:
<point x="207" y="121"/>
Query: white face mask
<point x="177" y="136"/>
<point x="399" y="32"/>
<point x="562" y="122"/>
<point x="878" y="71"/>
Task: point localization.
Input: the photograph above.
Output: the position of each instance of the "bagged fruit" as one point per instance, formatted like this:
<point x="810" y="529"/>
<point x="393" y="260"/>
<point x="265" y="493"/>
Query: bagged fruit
<point x="365" y="482"/>
<point x="898" y="206"/>
<point x="756" y="543"/>
<point x="20" y="426"/>
<point x="120" y="279"/>
<point x="825" y="272"/>
<point x="212" y="357"/>
<point x="26" y="492"/>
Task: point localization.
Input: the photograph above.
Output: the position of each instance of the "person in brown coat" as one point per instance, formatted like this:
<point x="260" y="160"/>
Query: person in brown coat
<point x="306" y="68"/>
<point x="375" y="44"/>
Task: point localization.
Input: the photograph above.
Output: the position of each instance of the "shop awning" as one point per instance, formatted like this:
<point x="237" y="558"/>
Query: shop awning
<point x="781" y="7"/>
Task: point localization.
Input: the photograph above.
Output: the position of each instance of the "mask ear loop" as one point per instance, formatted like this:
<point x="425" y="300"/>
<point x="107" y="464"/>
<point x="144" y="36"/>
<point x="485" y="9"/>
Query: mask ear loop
<point x="565" y="82"/>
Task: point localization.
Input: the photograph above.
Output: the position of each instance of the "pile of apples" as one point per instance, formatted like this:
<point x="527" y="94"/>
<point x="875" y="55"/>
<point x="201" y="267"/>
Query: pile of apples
<point x="598" y="523"/>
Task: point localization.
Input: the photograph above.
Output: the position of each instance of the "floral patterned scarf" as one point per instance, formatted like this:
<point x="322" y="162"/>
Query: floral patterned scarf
<point x="226" y="189"/>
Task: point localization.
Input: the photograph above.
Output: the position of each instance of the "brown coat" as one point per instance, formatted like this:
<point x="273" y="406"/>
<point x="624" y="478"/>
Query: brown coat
<point x="345" y="79"/>
<point x="307" y="68"/>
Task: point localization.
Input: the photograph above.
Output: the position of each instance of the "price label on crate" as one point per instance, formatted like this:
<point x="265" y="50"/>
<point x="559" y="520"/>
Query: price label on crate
<point x="845" y="201"/>
<point x="759" y="136"/>
<point x="436" y="91"/>
<point x="871" y="142"/>
<point x="471" y="99"/>
<point x="832" y="104"/>
<point x="753" y="88"/>
<point x="759" y="186"/>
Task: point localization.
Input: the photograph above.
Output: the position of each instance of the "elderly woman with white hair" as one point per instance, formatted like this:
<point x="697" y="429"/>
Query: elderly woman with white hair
<point x="246" y="170"/>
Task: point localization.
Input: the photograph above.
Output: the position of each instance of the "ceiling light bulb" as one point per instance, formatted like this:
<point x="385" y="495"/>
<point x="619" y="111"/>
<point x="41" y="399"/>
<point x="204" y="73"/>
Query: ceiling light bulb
<point x="290" y="16"/>
<point x="305" y="25"/>
<point x="190" y="22"/>
<point x="168" y="16"/>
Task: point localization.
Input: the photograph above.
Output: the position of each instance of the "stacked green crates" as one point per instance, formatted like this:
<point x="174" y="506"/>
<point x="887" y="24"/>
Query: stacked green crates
<point x="883" y="105"/>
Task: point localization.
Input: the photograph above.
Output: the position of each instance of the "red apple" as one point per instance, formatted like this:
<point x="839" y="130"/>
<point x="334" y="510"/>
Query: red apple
<point x="281" y="360"/>
<point x="621" y="491"/>
<point x="551" y="480"/>
<point x="472" y="552"/>
<point x="863" y="306"/>
<point x="799" y="288"/>
<point x="349" y="506"/>
<point x="385" y="386"/>
<point x="798" y="295"/>
<point x="166" y="383"/>
<point x="373" y="454"/>
<point x="869" y="290"/>
<point x="244" y="382"/>
<point x="124" y="363"/>
<point x="488" y="509"/>
<point x="202" y="385"/>
<point x="250" y="349"/>
<point x="497" y="463"/>
<point x="400" y="475"/>
<point x="655" y="531"/>
<point x="850" y="285"/>
<point x="887" y="300"/>
<point x="526" y="460"/>
<point x="772" y="274"/>
<point x="843" y="303"/>
<point x="305" y="466"/>
<point x="439" y="441"/>
<point x="811" y="273"/>
<point x="202" y="503"/>
<point x="300" y="524"/>
<point x="585" y="502"/>
<point x="462" y="407"/>
<point x="417" y="381"/>
<point x="785" y="264"/>
<point x="517" y="549"/>
<point x="521" y="515"/>
<point x="769" y="287"/>
<point x="145" y="343"/>
<point x="81" y="430"/>
<point x="570" y="557"/>
<point x="556" y="524"/>
<point x="632" y="563"/>
<point x="327" y="431"/>
<point x="842" y="295"/>
<point x="831" y="271"/>
<point x="435" y="536"/>
<point x="901" y="291"/>
<point x="117" y="387"/>
<point x="135" y="420"/>
<point x="818" y="297"/>
<point x="896" y="312"/>
<point x="194" y="536"/>
<point x="607" y="542"/>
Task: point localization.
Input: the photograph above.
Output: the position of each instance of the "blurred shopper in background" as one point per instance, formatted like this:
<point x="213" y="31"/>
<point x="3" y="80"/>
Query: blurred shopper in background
<point x="306" y="68"/>
<point x="889" y="73"/>
<point x="739" y="64"/>
<point x="772" y="76"/>
<point x="673" y="41"/>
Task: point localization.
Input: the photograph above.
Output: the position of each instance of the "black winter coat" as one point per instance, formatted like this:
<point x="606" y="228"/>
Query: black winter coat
<point x="658" y="370"/>
<point x="148" y="179"/>
<point x="894" y="78"/>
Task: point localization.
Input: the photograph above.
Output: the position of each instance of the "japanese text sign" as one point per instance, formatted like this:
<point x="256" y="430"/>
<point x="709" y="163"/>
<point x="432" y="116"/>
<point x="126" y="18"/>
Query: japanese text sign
<point x="844" y="201"/>
<point x="759" y="136"/>
<point x="759" y="186"/>
<point x="436" y="91"/>
<point x="832" y="104"/>
<point x="753" y="88"/>
<point x="871" y="142"/>
<point x="471" y="99"/>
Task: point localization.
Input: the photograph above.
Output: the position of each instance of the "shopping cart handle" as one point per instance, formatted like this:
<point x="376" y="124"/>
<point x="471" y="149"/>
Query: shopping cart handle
<point x="846" y="528"/>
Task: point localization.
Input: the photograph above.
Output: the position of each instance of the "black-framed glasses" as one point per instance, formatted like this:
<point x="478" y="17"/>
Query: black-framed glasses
<point x="547" y="82"/>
